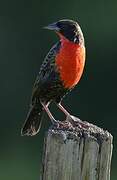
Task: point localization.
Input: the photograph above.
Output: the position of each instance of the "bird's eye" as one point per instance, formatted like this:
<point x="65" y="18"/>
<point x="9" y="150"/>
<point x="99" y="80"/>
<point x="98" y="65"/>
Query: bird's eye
<point x="76" y="39"/>
<point x="63" y="26"/>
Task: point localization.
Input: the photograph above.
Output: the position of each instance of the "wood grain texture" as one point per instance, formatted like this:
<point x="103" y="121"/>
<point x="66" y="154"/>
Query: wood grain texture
<point x="79" y="153"/>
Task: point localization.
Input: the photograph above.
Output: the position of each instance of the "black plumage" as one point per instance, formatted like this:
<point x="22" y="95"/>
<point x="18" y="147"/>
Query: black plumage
<point x="47" y="87"/>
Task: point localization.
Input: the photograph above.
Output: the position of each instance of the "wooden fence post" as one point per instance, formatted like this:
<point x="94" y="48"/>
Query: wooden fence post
<point x="77" y="153"/>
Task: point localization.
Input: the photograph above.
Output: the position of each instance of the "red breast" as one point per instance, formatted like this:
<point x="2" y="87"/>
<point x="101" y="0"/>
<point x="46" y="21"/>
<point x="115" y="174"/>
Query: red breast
<point x="70" y="62"/>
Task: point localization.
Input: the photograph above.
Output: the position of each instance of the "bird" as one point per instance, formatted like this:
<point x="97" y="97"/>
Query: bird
<point x="59" y="73"/>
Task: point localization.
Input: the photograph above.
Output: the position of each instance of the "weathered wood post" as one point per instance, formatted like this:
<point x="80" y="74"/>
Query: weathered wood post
<point x="77" y="153"/>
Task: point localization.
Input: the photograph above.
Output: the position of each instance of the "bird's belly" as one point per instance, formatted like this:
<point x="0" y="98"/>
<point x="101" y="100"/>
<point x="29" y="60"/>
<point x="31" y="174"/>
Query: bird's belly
<point x="70" y="63"/>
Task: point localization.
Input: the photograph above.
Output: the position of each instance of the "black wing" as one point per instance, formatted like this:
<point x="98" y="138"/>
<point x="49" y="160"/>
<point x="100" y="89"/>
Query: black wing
<point x="46" y="69"/>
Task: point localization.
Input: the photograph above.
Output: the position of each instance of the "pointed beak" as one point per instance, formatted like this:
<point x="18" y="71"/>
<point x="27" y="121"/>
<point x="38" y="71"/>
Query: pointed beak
<point x="52" y="26"/>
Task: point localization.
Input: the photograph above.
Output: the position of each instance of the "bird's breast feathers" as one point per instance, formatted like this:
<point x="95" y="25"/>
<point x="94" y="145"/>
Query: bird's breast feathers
<point x="70" y="62"/>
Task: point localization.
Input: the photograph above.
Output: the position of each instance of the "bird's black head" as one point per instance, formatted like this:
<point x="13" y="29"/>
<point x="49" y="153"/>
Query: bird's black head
<point x="69" y="29"/>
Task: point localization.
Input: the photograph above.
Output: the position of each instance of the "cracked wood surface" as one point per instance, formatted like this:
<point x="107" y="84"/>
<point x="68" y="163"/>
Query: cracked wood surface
<point x="78" y="153"/>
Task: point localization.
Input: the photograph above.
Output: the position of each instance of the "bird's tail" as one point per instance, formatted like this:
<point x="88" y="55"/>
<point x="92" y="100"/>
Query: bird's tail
<point x="33" y="121"/>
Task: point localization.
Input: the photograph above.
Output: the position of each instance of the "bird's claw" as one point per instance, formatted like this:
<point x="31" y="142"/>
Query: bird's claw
<point x="63" y="125"/>
<point x="79" y="123"/>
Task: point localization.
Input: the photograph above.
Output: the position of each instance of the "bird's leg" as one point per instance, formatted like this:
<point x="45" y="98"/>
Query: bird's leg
<point x="66" y="113"/>
<point x="59" y="124"/>
<point x="45" y="107"/>
<point x="63" y="109"/>
<point x="74" y="123"/>
<point x="47" y="104"/>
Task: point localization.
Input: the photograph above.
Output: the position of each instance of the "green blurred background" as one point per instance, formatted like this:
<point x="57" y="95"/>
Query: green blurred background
<point x="23" y="45"/>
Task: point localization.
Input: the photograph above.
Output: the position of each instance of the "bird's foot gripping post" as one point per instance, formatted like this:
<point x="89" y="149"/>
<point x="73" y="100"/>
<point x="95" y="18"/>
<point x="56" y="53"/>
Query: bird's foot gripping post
<point x="59" y="124"/>
<point x="77" y="153"/>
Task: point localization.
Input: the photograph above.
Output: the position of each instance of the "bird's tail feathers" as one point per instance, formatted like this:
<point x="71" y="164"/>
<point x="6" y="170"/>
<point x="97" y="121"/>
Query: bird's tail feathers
<point x="33" y="121"/>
